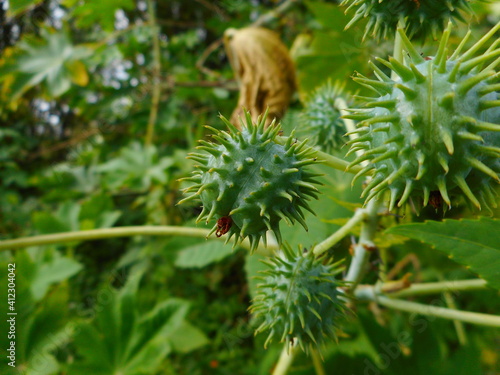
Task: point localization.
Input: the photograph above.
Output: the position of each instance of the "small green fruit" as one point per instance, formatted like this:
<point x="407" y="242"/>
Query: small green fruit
<point x="321" y="120"/>
<point x="249" y="181"/>
<point x="299" y="299"/>
<point x="433" y="132"/>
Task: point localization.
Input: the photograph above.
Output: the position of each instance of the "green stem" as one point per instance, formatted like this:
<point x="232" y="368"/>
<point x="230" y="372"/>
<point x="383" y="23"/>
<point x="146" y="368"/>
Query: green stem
<point x="96" y="234"/>
<point x="317" y="362"/>
<point x="459" y="326"/>
<point x="155" y="98"/>
<point x="323" y="246"/>
<point x="364" y="246"/>
<point x="429" y="310"/>
<point x="286" y="359"/>
<point x="327" y="159"/>
<point x="440" y="287"/>
<point x="275" y="13"/>
<point x="336" y="163"/>
<point x="365" y="243"/>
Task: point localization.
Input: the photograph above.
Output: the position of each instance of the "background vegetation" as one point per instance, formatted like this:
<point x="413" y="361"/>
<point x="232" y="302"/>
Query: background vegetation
<point x="100" y="102"/>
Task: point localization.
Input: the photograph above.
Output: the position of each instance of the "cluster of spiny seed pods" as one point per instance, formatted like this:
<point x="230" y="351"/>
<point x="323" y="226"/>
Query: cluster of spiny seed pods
<point x="321" y="118"/>
<point x="420" y="16"/>
<point x="298" y="298"/>
<point x="249" y="181"/>
<point x="432" y="132"/>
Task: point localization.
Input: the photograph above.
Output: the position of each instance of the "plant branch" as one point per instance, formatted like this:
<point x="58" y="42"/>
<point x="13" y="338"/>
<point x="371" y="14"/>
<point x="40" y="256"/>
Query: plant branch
<point x="323" y="246"/>
<point x="370" y="218"/>
<point x="275" y="13"/>
<point x="440" y="287"/>
<point x="317" y="362"/>
<point x="365" y="245"/>
<point x="336" y="163"/>
<point x="216" y="9"/>
<point x="200" y="63"/>
<point x="229" y="85"/>
<point x="459" y="326"/>
<point x="328" y="160"/>
<point x="97" y="234"/>
<point x="286" y="358"/>
<point x="429" y="310"/>
<point x="155" y="97"/>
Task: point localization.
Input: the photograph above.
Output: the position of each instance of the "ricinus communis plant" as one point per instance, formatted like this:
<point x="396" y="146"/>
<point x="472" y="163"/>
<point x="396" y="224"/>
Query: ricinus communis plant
<point x="430" y="134"/>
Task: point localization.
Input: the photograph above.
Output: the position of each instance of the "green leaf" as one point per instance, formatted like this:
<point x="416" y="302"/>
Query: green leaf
<point x="120" y="340"/>
<point x="45" y="331"/>
<point x="201" y="255"/>
<point x="149" y="347"/>
<point x="91" y="346"/>
<point x="186" y="338"/>
<point x="472" y="243"/>
<point x="57" y="63"/>
<point x="329" y="15"/>
<point x="325" y="209"/>
<point x="330" y="46"/>
<point x="98" y="212"/>
<point x="137" y="167"/>
<point x="148" y="359"/>
<point x="46" y="223"/>
<point x="253" y="266"/>
<point x="49" y="273"/>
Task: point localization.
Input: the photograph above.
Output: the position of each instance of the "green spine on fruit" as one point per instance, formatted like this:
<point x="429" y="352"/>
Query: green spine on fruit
<point x="421" y="17"/>
<point x="321" y="119"/>
<point x="434" y="130"/>
<point x="249" y="181"/>
<point x="298" y="299"/>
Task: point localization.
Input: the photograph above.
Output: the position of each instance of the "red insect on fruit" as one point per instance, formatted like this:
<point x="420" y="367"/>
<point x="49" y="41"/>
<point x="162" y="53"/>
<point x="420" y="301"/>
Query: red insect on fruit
<point x="223" y="225"/>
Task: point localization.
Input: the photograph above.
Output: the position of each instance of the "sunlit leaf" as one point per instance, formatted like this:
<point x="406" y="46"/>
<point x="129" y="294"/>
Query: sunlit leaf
<point x="203" y="254"/>
<point x="472" y="243"/>
<point x="53" y="272"/>
<point x="56" y="62"/>
<point x="186" y="338"/>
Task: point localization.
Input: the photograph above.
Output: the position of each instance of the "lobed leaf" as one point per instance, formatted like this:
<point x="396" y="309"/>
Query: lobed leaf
<point x="472" y="243"/>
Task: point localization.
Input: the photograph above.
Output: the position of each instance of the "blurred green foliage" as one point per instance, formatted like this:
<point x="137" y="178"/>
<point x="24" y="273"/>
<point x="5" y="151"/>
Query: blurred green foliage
<point x="76" y="83"/>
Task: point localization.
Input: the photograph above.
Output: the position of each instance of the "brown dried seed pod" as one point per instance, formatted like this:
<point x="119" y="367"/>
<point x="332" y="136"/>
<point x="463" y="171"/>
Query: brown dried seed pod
<point x="264" y="70"/>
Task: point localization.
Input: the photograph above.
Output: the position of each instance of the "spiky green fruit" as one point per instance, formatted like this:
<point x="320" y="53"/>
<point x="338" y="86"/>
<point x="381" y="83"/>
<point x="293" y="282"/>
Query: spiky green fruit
<point x="321" y="119"/>
<point x="298" y="299"/>
<point x="421" y="17"/>
<point x="432" y="133"/>
<point x="249" y="181"/>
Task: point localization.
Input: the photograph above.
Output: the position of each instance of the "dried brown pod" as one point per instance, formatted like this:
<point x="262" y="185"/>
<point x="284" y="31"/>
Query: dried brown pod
<point x="264" y="71"/>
